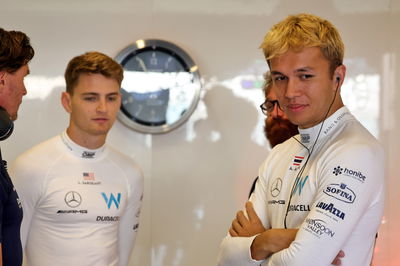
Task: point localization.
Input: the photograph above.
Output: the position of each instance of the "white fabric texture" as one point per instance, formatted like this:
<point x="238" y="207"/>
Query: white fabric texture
<point x="81" y="207"/>
<point x="337" y="198"/>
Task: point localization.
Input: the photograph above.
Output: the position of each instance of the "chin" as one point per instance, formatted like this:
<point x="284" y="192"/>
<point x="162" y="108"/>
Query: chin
<point x="14" y="117"/>
<point x="295" y="120"/>
<point x="97" y="131"/>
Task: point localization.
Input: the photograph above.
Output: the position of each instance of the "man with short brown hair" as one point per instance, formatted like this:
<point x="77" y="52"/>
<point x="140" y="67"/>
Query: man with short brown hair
<point x="81" y="197"/>
<point x="15" y="53"/>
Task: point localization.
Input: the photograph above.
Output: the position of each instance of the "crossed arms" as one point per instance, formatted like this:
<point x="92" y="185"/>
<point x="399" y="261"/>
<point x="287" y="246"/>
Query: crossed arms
<point x="265" y="242"/>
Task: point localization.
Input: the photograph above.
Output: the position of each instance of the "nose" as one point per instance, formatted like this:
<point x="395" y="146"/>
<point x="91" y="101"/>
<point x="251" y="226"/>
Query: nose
<point x="292" y="89"/>
<point x="101" y="106"/>
<point x="24" y="91"/>
<point x="277" y="112"/>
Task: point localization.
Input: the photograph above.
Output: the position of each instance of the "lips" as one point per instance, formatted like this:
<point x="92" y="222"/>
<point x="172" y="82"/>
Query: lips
<point x="100" y="119"/>
<point x="296" y="107"/>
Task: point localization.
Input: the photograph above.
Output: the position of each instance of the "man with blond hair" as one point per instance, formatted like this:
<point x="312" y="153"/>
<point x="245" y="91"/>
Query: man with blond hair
<point x="322" y="191"/>
<point x="81" y="198"/>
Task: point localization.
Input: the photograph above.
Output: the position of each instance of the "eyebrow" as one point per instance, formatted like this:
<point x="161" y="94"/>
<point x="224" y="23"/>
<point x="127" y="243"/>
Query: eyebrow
<point x="304" y="69"/>
<point x="299" y="70"/>
<point x="276" y="73"/>
<point x="113" y="93"/>
<point x="270" y="100"/>
<point x="89" y="94"/>
<point x="96" y="94"/>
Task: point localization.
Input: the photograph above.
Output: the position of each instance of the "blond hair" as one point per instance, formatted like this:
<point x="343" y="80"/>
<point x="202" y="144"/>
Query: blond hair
<point x="304" y="30"/>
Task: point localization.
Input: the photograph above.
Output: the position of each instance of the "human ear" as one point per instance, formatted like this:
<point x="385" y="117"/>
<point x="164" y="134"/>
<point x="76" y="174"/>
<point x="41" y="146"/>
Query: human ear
<point x="339" y="75"/>
<point x="66" y="101"/>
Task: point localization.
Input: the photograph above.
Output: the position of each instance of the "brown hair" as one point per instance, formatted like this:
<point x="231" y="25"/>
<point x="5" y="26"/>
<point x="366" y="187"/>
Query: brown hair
<point x="15" y="50"/>
<point x="92" y="63"/>
<point x="301" y="31"/>
<point x="267" y="83"/>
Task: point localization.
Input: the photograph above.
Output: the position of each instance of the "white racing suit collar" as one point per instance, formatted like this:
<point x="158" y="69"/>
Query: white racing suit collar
<point x="80" y="151"/>
<point x="308" y="135"/>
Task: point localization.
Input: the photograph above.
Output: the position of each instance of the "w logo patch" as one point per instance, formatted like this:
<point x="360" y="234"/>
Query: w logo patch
<point x="112" y="199"/>
<point x="300" y="182"/>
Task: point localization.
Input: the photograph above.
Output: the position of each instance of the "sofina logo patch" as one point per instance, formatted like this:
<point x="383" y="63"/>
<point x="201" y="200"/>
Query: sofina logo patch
<point x="340" y="192"/>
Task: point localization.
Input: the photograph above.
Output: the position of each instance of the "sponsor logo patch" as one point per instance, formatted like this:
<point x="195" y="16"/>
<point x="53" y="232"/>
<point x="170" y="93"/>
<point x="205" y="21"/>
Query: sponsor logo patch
<point x="300" y="182"/>
<point x="88" y="154"/>
<point x="335" y="122"/>
<point x="337" y="170"/>
<point x="349" y="172"/>
<point x="72" y="211"/>
<point x="276" y="187"/>
<point x="112" y="199"/>
<point x="107" y="219"/>
<point x="318" y="228"/>
<point x="299" y="208"/>
<point x="340" y="192"/>
<point x="73" y="199"/>
<point x="332" y="209"/>
<point x="305" y="138"/>
<point x="280" y="202"/>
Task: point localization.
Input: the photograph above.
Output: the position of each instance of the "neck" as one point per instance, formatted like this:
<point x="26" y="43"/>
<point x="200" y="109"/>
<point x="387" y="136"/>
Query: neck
<point x="86" y="140"/>
<point x="336" y="105"/>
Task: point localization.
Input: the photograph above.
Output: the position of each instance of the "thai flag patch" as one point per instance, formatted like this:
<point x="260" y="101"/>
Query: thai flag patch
<point x="297" y="160"/>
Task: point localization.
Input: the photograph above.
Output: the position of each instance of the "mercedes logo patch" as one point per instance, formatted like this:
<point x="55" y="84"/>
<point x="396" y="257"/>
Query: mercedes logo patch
<point x="73" y="199"/>
<point x="276" y="187"/>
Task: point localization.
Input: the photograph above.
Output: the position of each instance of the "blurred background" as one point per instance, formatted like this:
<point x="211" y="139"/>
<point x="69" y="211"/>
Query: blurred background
<point x="198" y="175"/>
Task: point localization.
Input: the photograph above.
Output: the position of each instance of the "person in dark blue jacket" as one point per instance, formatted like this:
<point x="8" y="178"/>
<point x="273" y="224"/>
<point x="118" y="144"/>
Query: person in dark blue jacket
<point x="15" y="53"/>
